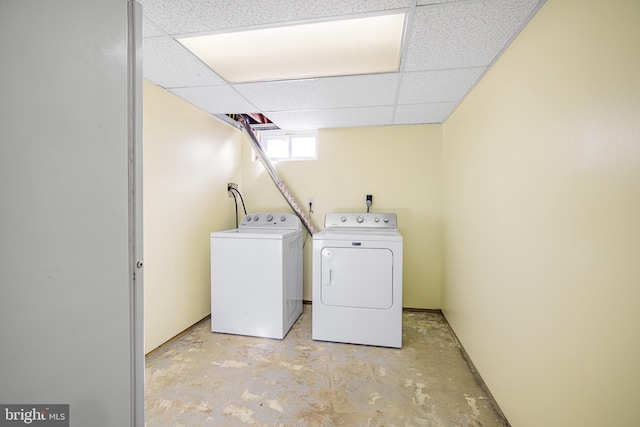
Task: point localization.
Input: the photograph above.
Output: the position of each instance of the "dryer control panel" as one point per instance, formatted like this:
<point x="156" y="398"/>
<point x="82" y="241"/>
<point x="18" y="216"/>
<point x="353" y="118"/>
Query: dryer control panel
<point x="271" y="220"/>
<point x="361" y="220"/>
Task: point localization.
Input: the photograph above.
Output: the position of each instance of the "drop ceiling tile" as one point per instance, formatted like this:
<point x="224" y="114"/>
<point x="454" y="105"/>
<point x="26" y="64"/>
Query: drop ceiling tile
<point x="335" y="118"/>
<point x="428" y="2"/>
<point x="216" y="99"/>
<point x="189" y="16"/>
<point x="452" y="39"/>
<point x="168" y="64"/>
<point x="464" y="34"/>
<point x="332" y="92"/>
<point x="423" y="113"/>
<point x="437" y="86"/>
<point x="149" y="29"/>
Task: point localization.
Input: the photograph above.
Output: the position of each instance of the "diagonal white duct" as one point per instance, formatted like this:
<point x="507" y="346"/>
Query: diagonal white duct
<point x="282" y="186"/>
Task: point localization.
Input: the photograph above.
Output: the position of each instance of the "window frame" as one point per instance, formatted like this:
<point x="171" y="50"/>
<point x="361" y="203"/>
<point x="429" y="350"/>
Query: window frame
<point x="289" y="135"/>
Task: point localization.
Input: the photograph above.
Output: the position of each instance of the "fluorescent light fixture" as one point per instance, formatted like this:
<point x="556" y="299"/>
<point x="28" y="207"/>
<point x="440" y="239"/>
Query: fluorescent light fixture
<point x="362" y="45"/>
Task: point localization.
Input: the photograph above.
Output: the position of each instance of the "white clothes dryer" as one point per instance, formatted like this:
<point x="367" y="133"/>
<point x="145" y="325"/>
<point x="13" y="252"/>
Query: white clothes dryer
<point x="357" y="280"/>
<point x="256" y="276"/>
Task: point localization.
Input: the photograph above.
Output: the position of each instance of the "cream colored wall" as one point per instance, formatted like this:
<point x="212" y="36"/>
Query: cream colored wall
<point x="542" y="219"/>
<point x="189" y="157"/>
<point x="399" y="165"/>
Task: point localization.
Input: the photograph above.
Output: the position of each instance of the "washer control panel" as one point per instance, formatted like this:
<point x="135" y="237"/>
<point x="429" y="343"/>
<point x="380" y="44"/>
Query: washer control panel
<point x="271" y="220"/>
<point x="360" y="220"/>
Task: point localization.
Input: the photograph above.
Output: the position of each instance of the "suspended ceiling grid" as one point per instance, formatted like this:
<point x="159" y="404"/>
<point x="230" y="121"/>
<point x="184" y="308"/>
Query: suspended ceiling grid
<point x="449" y="45"/>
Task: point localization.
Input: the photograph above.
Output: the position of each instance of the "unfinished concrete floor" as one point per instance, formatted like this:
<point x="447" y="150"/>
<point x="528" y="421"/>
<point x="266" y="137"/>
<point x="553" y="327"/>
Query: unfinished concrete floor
<point x="209" y="379"/>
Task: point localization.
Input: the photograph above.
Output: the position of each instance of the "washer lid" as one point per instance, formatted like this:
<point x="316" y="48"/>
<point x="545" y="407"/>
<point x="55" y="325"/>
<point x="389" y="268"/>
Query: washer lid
<point x="255" y="233"/>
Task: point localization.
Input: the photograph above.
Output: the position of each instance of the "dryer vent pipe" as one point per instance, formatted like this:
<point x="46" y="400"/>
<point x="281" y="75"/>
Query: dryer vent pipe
<point x="282" y="186"/>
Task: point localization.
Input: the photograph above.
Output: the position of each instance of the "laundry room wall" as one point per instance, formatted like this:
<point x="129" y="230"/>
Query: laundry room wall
<point x="401" y="166"/>
<point x="542" y="230"/>
<point x="189" y="156"/>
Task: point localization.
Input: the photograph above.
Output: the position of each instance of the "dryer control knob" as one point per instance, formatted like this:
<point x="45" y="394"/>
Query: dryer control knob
<point x="255" y="217"/>
<point x="343" y="219"/>
<point x="376" y="219"/>
<point x="269" y="217"/>
<point x="386" y="219"/>
<point x="360" y="219"/>
<point x="248" y="218"/>
<point x="282" y="218"/>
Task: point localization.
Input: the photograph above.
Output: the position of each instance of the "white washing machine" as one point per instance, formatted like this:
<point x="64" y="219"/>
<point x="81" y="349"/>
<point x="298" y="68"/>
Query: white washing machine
<point x="357" y="280"/>
<point x="256" y="276"/>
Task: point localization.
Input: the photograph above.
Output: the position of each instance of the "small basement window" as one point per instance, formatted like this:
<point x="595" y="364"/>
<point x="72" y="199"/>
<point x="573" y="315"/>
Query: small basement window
<point x="290" y="145"/>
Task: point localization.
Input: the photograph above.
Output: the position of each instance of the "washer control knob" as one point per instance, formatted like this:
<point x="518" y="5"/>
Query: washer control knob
<point x="360" y="219"/>
<point x="269" y="217"/>
<point x="248" y="218"/>
<point x="282" y="218"/>
<point x="255" y="217"/>
<point x="386" y="219"/>
<point x="376" y="219"/>
<point x="343" y="219"/>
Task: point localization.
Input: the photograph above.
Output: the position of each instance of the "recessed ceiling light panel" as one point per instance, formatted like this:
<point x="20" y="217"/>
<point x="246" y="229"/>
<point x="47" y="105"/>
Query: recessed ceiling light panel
<point x="362" y="45"/>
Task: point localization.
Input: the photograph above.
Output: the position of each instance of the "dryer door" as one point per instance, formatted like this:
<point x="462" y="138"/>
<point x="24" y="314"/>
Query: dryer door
<point x="357" y="277"/>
